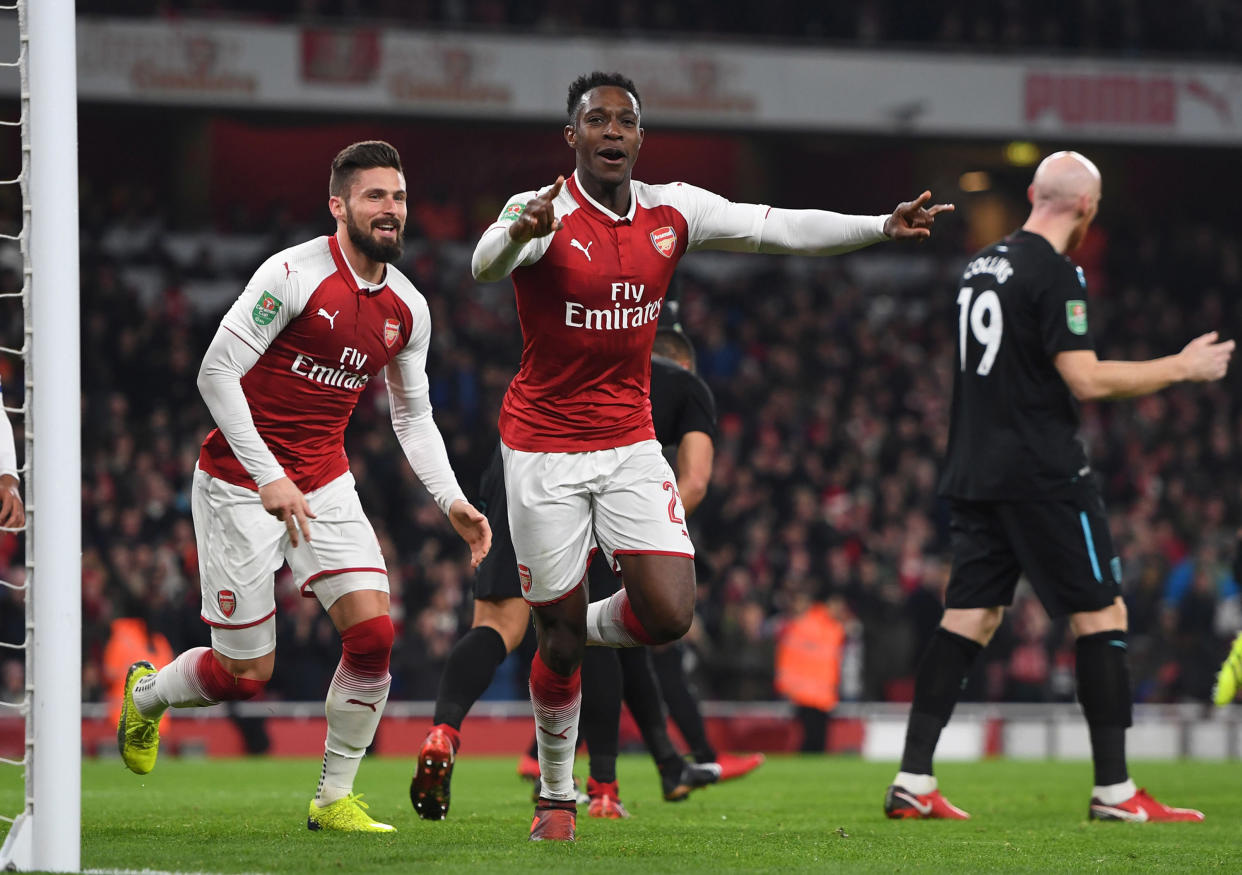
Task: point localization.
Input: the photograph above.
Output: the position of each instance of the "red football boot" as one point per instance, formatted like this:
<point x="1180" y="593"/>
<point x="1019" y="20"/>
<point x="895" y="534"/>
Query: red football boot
<point x="429" y="788"/>
<point x="738" y="765"/>
<point x="554" y="821"/>
<point x="901" y="803"/>
<point x="605" y="800"/>
<point x="1141" y="808"/>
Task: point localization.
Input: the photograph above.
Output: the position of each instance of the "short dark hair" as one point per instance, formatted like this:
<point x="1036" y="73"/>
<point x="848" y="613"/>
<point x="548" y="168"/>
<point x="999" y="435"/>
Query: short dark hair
<point x="583" y="84"/>
<point x="671" y="343"/>
<point x="360" y="156"/>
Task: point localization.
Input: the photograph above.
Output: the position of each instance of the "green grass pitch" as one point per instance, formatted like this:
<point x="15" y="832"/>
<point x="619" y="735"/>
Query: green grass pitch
<point x="793" y="814"/>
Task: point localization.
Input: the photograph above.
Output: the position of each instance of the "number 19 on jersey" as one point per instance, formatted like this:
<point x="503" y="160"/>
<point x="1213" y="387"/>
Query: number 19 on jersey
<point x="986" y="325"/>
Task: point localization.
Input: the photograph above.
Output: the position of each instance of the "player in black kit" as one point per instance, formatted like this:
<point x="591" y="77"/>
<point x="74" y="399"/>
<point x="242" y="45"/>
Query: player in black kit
<point x="684" y="415"/>
<point x="1021" y="493"/>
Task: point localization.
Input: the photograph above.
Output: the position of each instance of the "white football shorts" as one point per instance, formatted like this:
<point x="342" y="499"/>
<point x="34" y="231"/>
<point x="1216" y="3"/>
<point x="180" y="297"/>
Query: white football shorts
<point x="241" y="546"/>
<point x="561" y="505"/>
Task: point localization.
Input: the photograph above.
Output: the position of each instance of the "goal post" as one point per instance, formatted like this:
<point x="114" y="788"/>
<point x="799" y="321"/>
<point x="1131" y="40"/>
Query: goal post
<point x="46" y="836"/>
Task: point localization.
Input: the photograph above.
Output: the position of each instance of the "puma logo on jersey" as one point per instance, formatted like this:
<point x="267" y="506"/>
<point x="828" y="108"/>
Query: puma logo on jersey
<point x="331" y="319"/>
<point x="289" y="270"/>
<point x="577" y="245"/>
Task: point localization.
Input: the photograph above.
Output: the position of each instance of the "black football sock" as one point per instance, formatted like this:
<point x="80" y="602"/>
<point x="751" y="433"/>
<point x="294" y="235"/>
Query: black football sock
<point x="683" y="707"/>
<point x="642" y="697"/>
<point x="942" y="674"/>
<point x="470" y="668"/>
<point x="1103" y="671"/>
<point x="601" y="711"/>
<point x="814" y="724"/>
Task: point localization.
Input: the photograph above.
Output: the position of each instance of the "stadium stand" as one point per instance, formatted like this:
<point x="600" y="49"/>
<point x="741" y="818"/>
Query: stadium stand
<point x="832" y="394"/>
<point x="1117" y="27"/>
<point x="832" y="381"/>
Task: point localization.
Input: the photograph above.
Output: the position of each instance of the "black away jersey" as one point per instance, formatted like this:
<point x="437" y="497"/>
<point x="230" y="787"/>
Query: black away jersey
<point x="1014" y="422"/>
<point x="680" y="402"/>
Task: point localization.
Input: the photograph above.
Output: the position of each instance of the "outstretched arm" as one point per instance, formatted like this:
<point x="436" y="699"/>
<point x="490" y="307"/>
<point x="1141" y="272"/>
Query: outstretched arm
<point x="1202" y="360"/>
<point x="716" y="223"/>
<point x="816" y="232"/>
<point x="913" y="220"/>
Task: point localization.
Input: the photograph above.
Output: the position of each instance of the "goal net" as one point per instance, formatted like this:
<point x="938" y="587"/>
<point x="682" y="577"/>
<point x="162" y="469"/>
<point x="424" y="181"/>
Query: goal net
<point x="45" y="834"/>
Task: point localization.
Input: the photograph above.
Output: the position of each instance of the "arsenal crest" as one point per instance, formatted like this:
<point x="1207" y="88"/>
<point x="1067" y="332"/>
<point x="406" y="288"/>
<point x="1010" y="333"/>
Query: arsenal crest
<point x="664" y="240"/>
<point x="392" y="330"/>
<point x="524" y="576"/>
<point x="227" y="601"/>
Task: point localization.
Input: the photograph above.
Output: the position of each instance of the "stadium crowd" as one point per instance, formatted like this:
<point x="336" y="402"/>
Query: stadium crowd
<point x="832" y="379"/>
<point x="1119" y="27"/>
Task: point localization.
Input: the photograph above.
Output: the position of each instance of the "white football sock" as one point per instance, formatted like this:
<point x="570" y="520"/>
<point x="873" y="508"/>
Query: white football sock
<point x="354" y="706"/>
<point x="557" y="702"/>
<point x="604" y="624"/>
<point x="919" y="785"/>
<point x="176" y="685"/>
<point x="1115" y="794"/>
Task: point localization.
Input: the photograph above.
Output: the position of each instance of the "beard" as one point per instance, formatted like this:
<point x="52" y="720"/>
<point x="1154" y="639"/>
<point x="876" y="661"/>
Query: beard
<point x="376" y="250"/>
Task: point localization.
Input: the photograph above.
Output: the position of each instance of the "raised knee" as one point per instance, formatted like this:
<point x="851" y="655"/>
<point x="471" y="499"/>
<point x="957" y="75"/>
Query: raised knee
<point x="670" y="627"/>
<point x="367" y="646"/>
<point x="248" y="688"/>
<point x="230" y="680"/>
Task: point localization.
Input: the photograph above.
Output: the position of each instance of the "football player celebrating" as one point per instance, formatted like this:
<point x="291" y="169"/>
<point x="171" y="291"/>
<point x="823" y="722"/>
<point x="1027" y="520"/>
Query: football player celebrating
<point x="281" y="378"/>
<point x="591" y="259"/>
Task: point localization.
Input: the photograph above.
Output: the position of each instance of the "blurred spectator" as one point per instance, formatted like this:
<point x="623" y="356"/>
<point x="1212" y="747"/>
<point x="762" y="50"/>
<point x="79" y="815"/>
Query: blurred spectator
<point x="129" y="641"/>
<point x="832" y="396"/>
<point x="1122" y="27"/>
<point x="13" y="681"/>
<point x="808" y="665"/>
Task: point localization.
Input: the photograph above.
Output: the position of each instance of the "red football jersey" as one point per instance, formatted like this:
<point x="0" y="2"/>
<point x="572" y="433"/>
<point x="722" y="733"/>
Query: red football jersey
<point x="320" y="338"/>
<point x="589" y="297"/>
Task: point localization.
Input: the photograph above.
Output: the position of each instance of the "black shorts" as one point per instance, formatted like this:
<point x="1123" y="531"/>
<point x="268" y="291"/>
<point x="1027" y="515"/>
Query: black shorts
<point x="496" y="578"/>
<point x="1064" y="547"/>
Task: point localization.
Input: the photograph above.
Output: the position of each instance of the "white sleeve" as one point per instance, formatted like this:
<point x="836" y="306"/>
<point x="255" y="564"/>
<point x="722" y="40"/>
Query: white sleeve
<point x="219" y="382"/>
<point x="717" y="223"/>
<point x="270" y="301"/>
<point x="496" y="255"/>
<point x="818" y="232"/>
<point x="8" y="449"/>
<point x="410" y="404"/>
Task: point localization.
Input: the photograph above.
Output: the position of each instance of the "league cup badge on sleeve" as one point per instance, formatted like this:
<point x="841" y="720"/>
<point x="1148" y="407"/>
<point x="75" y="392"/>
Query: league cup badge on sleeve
<point x="392" y="330"/>
<point x="267" y="308"/>
<point x="664" y="240"/>
<point x="227" y="601"/>
<point x="1076" y="316"/>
